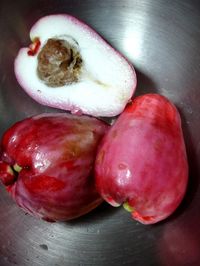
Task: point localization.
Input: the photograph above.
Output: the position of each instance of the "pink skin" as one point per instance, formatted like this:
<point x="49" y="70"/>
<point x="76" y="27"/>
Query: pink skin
<point x="54" y="154"/>
<point x="142" y="160"/>
<point x="60" y="104"/>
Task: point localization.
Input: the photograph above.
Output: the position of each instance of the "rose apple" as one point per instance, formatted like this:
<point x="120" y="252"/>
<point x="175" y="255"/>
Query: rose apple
<point x="142" y="161"/>
<point x="46" y="164"/>
<point x="69" y="66"/>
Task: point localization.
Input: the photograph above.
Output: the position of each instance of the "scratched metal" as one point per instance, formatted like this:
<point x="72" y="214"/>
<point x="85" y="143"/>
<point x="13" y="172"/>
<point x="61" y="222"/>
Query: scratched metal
<point x="161" y="38"/>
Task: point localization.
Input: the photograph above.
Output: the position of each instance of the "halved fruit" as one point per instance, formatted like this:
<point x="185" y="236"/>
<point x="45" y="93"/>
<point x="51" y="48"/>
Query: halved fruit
<point x="69" y="66"/>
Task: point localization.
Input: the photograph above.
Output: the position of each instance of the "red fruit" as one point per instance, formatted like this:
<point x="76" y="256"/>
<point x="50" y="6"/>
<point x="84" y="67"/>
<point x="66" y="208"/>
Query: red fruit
<point x="142" y="161"/>
<point x="46" y="165"/>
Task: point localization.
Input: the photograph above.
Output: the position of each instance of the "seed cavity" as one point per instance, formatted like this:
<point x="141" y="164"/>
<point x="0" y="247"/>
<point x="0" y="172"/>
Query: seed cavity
<point x="59" y="63"/>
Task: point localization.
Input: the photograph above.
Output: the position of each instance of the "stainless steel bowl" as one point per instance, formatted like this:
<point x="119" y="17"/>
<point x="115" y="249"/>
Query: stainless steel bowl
<point x="161" y="38"/>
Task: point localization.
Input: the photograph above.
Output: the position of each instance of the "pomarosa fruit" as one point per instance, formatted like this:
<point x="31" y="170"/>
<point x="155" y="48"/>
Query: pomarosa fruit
<point x="142" y="161"/>
<point x="46" y="164"/>
<point x="69" y="66"/>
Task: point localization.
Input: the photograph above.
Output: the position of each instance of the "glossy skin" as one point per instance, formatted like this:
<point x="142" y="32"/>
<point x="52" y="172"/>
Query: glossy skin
<point x="53" y="155"/>
<point x="142" y="160"/>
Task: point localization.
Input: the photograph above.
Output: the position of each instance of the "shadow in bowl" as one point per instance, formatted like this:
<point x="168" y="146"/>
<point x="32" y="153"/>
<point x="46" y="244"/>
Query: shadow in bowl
<point x="193" y="182"/>
<point x="102" y="212"/>
<point x="145" y="84"/>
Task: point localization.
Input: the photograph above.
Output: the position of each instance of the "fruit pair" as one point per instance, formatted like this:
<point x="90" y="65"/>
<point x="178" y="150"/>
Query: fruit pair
<point x="47" y="162"/>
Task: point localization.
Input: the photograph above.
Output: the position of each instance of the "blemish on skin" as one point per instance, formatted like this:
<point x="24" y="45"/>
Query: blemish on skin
<point x="44" y="247"/>
<point x="122" y="166"/>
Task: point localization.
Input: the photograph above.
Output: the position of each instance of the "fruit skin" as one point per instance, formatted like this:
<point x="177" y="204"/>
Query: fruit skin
<point x="51" y="157"/>
<point x="100" y="93"/>
<point x="142" y="160"/>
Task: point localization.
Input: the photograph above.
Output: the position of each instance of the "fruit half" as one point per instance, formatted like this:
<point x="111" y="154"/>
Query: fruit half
<point x="69" y="66"/>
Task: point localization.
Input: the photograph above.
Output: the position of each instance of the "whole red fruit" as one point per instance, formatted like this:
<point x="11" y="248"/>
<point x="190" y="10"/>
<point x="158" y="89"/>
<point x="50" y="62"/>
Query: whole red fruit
<point x="142" y="161"/>
<point x="47" y="162"/>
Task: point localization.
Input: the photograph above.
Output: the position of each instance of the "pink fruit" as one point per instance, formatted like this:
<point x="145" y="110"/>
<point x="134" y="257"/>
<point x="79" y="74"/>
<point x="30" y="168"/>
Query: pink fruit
<point x="69" y="66"/>
<point x="46" y="164"/>
<point x="142" y="162"/>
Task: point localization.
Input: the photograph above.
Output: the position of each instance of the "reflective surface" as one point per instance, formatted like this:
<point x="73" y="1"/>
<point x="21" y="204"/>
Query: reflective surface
<point x="161" y="39"/>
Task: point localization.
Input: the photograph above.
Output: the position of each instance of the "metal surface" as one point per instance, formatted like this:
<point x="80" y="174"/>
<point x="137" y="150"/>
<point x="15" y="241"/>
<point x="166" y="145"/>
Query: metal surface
<point x="162" y="39"/>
